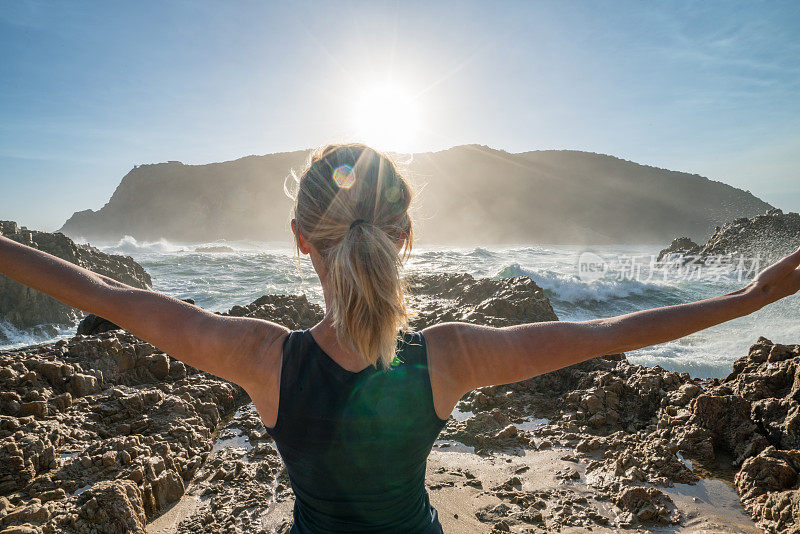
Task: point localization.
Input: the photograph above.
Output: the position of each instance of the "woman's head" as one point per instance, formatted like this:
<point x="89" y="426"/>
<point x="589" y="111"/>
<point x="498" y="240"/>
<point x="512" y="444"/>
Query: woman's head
<point x="351" y="208"/>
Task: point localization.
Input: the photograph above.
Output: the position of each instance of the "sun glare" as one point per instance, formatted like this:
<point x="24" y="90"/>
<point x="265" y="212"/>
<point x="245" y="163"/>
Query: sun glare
<point x="387" y="118"/>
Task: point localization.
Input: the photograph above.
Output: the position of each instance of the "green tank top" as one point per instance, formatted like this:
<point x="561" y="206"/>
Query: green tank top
<point x="356" y="445"/>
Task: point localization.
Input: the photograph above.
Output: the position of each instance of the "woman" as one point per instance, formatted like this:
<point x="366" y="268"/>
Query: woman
<point x="356" y="402"/>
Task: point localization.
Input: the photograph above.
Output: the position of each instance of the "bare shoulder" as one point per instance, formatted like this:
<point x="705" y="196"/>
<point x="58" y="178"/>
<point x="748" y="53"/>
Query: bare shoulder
<point x="467" y="356"/>
<point x="449" y="362"/>
<point x="264" y="391"/>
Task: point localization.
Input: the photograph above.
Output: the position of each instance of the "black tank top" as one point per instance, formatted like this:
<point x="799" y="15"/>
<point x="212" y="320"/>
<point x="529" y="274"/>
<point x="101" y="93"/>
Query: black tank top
<point x="356" y="445"/>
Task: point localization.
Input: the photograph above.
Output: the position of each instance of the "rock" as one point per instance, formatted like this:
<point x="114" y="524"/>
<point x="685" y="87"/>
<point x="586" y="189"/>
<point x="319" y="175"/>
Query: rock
<point x="770" y="489"/>
<point x="82" y="416"/>
<point x="164" y="490"/>
<point x="113" y="506"/>
<point x="727" y="417"/>
<point x="680" y="246"/>
<point x="131" y="423"/>
<point x="31" y="513"/>
<point x="23" y="307"/>
<point x="35" y="408"/>
<point x="19" y="529"/>
<point x="766" y="237"/>
<point x="92" y="324"/>
<point x="81" y="385"/>
<point x="160" y="365"/>
<point x="460" y="297"/>
<point x="648" y="505"/>
<point x="292" y="311"/>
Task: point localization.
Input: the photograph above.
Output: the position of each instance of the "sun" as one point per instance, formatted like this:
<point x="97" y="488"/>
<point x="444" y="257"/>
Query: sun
<point x="387" y="118"/>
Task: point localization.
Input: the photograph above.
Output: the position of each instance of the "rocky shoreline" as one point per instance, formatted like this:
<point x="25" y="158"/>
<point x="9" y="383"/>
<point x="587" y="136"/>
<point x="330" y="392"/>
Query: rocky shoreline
<point x="104" y="433"/>
<point x="26" y="308"/>
<point x="768" y="237"/>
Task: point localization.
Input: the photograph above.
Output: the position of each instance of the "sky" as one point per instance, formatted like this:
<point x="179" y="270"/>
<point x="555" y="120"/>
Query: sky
<point x="90" y="89"/>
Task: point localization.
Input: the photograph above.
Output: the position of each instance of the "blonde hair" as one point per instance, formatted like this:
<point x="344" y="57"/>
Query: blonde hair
<point x="351" y="205"/>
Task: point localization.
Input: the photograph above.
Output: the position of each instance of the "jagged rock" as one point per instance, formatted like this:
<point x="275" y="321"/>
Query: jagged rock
<point x="93" y="324"/>
<point x="683" y="246"/>
<point x="112" y="434"/>
<point x="113" y="506"/>
<point x="24" y="307"/>
<point x="770" y="489"/>
<point x="768" y="237"/>
<point x="164" y="490"/>
<point x="771" y="236"/>
<point x="727" y="417"/>
<point x="445" y="297"/>
<point x="292" y="311"/>
<point x="648" y="505"/>
<point x="437" y="298"/>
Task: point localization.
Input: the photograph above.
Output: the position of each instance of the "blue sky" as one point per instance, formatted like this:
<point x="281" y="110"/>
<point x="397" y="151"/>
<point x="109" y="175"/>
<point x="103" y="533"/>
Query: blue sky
<point x="90" y="89"/>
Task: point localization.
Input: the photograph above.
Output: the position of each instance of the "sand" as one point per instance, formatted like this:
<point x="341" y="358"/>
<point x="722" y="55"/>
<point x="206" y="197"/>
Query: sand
<point x="711" y="505"/>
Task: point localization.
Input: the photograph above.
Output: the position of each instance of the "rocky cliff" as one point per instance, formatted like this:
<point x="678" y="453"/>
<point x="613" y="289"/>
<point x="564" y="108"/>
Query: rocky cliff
<point x="24" y="307"/>
<point x="768" y="236"/>
<point x="467" y="194"/>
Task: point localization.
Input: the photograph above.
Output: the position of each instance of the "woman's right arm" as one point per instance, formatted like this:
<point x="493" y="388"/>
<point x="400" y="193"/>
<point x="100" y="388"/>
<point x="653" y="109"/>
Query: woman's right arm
<point x="233" y="348"/>
<point x="466" y="356"/>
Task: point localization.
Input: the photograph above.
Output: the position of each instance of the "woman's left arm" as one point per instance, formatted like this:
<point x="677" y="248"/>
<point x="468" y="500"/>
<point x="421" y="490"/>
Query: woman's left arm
<point x="471" y="356"/>
<point x="233" y="348"/>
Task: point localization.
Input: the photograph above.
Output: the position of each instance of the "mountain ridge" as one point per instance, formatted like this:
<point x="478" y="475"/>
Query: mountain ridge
<point x="468" y="194"/>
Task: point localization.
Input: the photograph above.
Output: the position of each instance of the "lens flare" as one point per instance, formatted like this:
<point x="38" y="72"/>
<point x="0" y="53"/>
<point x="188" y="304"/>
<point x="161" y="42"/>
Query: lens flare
<point x="344" y="176"/>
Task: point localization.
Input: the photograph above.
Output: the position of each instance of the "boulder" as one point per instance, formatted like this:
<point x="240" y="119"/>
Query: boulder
<point x="682" y="246"/>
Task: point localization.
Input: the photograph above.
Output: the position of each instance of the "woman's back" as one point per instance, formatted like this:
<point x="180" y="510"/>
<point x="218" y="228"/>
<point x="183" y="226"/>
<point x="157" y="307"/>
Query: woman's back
<point x="356" y="444"/>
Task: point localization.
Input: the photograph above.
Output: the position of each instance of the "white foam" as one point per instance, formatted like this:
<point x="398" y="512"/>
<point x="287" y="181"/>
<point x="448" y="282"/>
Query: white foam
<point x="130" y="245"/>
<point x="14" y="338"/>
<point x="568" y="287"/>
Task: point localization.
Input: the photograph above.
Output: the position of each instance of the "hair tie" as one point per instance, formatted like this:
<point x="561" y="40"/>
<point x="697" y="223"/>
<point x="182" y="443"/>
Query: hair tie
<point x="356" y="222"/>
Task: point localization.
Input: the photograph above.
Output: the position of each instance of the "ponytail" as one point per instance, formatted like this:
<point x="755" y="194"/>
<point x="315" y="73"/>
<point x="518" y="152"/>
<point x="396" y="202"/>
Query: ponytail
<point x="368" y="303"/>
<point x="352" y="206"/>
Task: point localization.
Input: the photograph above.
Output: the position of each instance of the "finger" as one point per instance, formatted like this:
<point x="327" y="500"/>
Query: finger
<point x="782" y="267"/>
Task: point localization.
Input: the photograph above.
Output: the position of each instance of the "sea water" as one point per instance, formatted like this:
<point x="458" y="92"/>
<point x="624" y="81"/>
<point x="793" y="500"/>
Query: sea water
<point x="628" y="281"/>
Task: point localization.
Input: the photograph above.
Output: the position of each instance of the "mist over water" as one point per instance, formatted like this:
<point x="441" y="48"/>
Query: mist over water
<point x="219" y="280"/>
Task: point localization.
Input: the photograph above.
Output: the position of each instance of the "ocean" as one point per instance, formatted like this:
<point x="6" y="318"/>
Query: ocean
<point x="581" y="283"/>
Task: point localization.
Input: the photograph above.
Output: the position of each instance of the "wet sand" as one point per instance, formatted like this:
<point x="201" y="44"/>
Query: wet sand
<point x="463" y="487"/>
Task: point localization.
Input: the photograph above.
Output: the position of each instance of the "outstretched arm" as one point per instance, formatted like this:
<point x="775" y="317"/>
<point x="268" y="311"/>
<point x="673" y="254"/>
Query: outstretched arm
<point x="229" y="347"/>
<point x="467" y="356"/>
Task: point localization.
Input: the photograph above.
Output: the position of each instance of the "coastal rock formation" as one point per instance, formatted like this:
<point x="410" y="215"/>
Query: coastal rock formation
<point x="771" y="235"/>
<point x="244" y="199"/>
<point x="768" y="237"/>
<point x="23" y="307"/>
<point x="99" y="433"/>
<point x="631" y="425"/>
<point x="104" y="432"/>
<point x="437" y="298"/>
<point x="682" y="246"/>
<point x="294" y="311"/>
